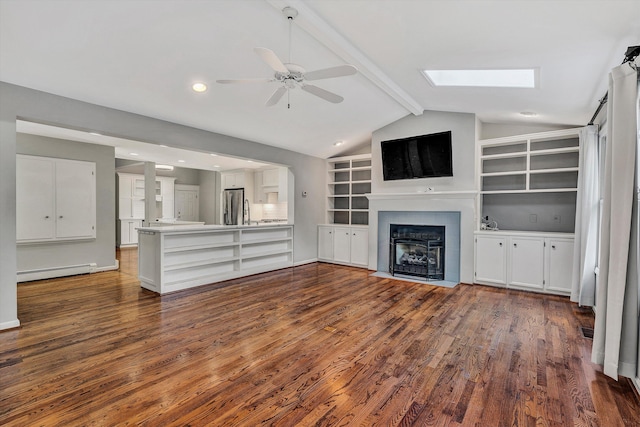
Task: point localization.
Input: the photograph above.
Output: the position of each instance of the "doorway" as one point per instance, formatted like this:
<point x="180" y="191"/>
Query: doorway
<point x="187" y="202"/>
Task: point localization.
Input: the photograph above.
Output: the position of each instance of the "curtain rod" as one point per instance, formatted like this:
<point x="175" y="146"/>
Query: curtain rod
<point x="630" y="55"/>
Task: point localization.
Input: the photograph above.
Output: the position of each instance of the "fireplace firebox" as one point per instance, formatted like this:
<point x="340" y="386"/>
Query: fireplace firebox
<point x="417" y="250"/>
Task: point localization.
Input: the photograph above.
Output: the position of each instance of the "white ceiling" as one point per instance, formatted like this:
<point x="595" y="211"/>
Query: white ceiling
<point x="142" y="56"/>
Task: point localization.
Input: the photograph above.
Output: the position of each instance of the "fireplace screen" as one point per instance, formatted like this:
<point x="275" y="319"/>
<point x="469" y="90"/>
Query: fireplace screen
<point x="417" y="250"/>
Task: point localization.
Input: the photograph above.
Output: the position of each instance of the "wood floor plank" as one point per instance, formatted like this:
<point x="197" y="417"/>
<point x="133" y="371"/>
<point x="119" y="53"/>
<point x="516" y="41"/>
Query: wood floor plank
<point x="318" y="344"/>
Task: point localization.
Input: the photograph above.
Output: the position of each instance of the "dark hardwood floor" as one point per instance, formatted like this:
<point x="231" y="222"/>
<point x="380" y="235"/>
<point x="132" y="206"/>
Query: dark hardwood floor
<point x="318" y="344"/>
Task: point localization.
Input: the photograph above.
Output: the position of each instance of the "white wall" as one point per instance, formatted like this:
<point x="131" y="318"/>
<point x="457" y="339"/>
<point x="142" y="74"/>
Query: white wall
<point x="100" y="250"/>
<point x="463" y="135"/>
<point x="28" y="104"/>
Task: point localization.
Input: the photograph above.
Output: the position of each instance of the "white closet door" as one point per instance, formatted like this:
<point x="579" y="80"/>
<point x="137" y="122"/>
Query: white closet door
<point x="75" y="199"/>
<point x="35" y="181"/>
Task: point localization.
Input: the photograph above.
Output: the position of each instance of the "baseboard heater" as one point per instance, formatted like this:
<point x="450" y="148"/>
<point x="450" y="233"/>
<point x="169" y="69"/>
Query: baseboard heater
<point x="51" y="272"/>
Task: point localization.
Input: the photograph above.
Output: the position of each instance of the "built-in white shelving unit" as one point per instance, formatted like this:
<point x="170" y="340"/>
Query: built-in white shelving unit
<point x="349" y="179"/>
<point x="181" y="257"/>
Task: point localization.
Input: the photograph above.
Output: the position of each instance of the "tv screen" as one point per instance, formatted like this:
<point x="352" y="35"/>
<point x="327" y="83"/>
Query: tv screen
<point x="425" y="156"/>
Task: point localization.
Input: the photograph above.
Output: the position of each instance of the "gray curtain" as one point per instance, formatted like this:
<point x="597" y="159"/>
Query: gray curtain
<point x="583" y="290"/>
<point x="615" y="342"/>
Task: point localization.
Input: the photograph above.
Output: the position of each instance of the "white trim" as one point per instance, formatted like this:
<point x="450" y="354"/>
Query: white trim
<point x="306" y="261"/>
<point x="423" y="195"/>
<point x="51" y="272"/>
<point x="115" y="266"/>
<point x="10" y="325"/>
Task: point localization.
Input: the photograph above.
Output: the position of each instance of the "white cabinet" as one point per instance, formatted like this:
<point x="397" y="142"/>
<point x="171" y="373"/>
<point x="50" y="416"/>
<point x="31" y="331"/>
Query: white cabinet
<point x="269" y="183"/>
<point x="233" y="180"/>
<point x="559" y="260"/>
<point x="127" y="232"/>
<point x="325" y="242"/>
<point x="55" y="199"/>
<point x="131" y="196"/>
<point x="526" y="262"/>
<point x="343" y="245"/>
<point x="541" y="262"/>
<point x="491" y="260"/>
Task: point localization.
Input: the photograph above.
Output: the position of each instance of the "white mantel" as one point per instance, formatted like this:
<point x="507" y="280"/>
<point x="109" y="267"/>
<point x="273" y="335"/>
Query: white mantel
<point x="436" y="201"/>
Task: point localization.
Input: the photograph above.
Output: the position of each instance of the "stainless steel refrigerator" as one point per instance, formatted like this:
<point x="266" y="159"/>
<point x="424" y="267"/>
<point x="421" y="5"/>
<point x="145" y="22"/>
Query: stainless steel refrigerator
<point x="233" y="203"/>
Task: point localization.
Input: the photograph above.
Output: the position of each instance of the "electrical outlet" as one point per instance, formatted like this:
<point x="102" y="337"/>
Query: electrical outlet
<point x="304" y="194"/>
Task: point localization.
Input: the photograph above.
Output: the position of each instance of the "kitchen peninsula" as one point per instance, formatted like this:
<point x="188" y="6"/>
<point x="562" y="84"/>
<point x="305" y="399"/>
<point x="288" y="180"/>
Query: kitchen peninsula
<point x="172" y="258"/>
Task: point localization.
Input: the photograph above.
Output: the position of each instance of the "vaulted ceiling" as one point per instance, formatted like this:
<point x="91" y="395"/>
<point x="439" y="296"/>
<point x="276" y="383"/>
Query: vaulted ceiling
<point x="142" y="56"/>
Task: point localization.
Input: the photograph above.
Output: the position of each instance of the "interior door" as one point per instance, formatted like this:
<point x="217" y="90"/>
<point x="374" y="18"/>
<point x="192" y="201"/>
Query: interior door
<point x="186" y="205"/>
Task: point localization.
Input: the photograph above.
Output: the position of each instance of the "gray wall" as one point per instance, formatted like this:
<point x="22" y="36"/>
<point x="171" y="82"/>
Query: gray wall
<point x="101" y="250"/>
<point x="209" y="191"/>
<point x="463" y="134"/>
<point x="28" y="104"/>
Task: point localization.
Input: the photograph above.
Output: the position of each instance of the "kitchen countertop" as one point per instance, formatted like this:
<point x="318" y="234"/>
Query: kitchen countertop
<point x="210" y="227"/>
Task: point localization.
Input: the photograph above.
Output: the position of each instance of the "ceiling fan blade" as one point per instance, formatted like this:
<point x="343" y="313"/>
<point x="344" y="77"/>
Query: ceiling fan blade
<point x="276" y="96"/>
<point x="258" y="80"/>
<point x="271" y="59"/>
<point x="328" y="73"/>
<point x="324" y="94"/>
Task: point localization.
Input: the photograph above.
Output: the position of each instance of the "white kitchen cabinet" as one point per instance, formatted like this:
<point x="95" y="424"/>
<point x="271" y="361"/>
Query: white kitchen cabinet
<point x="55" y="199"/>
<point x="526" y="262"/>
<point x="271" y="181"/>
<point x="343" y="245"/>
<point x="131" y="196"/>
<point x="491" y="260"/>
<point x="127" y="232"/>
<point x="233" y="180"/>
<point x="559" y="260"/>
<point x="540" y="262"/>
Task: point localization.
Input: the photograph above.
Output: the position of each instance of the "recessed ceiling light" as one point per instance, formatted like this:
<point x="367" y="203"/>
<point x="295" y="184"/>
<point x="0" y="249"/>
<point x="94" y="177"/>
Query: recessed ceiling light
<point x="523" y="78"/>
<point x="213" y="154"/>
<point x="133" y="154"/>
<point x="216" y="166"/>
<point x="164" y="167"/>
<point x="95" y="133"/>
<point x="528" y="113"/>
<point x="163" y="146"/>
<point x="338" y="143"/>
<point x="199" y="87"/>
<point x="181" y="161"/>
<point x="249" y="161"/>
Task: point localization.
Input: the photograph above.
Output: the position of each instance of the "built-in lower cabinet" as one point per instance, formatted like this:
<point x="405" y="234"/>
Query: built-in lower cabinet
<point x="343" y="245"/>
<point x="128" y="232"/>
<point x="540" y="262"/>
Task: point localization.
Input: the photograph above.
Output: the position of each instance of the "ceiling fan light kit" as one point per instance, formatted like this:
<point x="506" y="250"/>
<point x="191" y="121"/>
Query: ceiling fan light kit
<point x="291" y="76"/>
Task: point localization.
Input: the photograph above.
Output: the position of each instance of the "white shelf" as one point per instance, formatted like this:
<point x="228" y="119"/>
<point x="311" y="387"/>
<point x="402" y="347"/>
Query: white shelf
<point x="554" y="151"/>
<point x="187" y="265"/>
<point x="200" y="247"/>
<point x="556" y="170"/>
<point x="356" y="171"/>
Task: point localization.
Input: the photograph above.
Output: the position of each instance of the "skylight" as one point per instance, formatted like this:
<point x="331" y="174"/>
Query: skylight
<point x="524" y="78"/>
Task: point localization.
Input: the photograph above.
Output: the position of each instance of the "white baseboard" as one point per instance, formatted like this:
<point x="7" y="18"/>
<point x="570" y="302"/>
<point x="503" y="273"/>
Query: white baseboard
<point x="306" y="261"/>
<point x="115" y="266"/>
<point x="9" y="325"/>
<point x="51" y="272"/>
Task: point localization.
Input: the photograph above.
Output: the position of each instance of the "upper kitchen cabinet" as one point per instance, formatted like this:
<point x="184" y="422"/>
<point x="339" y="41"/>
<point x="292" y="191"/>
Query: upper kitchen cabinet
<point x="271" y="185"/>
<point x="55" y="199"/>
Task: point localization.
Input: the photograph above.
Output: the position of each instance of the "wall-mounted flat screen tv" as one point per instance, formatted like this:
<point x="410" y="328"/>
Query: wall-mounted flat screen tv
<point x="425" y="156"/>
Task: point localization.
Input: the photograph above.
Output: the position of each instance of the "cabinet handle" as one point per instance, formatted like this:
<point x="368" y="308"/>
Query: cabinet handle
<point x="46" y="217"/>
<point x="515" y="245"/>
<point x="500" y="244"/>
<point x="553" y="246"/>
<point x="330" y="232"/>
<point x="346" y="234"/>
<point x="60" y="216"/>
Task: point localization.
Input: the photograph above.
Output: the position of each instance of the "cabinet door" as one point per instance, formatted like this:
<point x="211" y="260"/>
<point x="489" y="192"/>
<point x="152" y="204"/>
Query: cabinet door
<point x="125" y="208"/>
<point x="526" y="267"/>
<point x="360" y="246"/>
<point x="342" y="244"/>
<point x="559" y="265"/>
<point x="35" y="189"/>
<point x="491" y="260"/>
<point x="138" y="186"/>
<point x="325" y="243"/>
<point x="125" y="186"/>
<point x="75" y="199"/>
<point x="259" y="196"/>
<point x="271" y="177"/>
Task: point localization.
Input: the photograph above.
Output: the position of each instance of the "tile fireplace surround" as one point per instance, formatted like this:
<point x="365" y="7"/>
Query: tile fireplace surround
<point x="455" y="210"/>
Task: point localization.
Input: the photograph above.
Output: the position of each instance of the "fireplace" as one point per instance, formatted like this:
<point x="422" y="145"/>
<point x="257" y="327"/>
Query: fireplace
<point x="417" y="250"/>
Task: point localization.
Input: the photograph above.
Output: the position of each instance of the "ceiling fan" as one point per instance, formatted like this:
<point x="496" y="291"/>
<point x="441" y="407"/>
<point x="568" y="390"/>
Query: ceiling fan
<point x="291" y="76"/>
